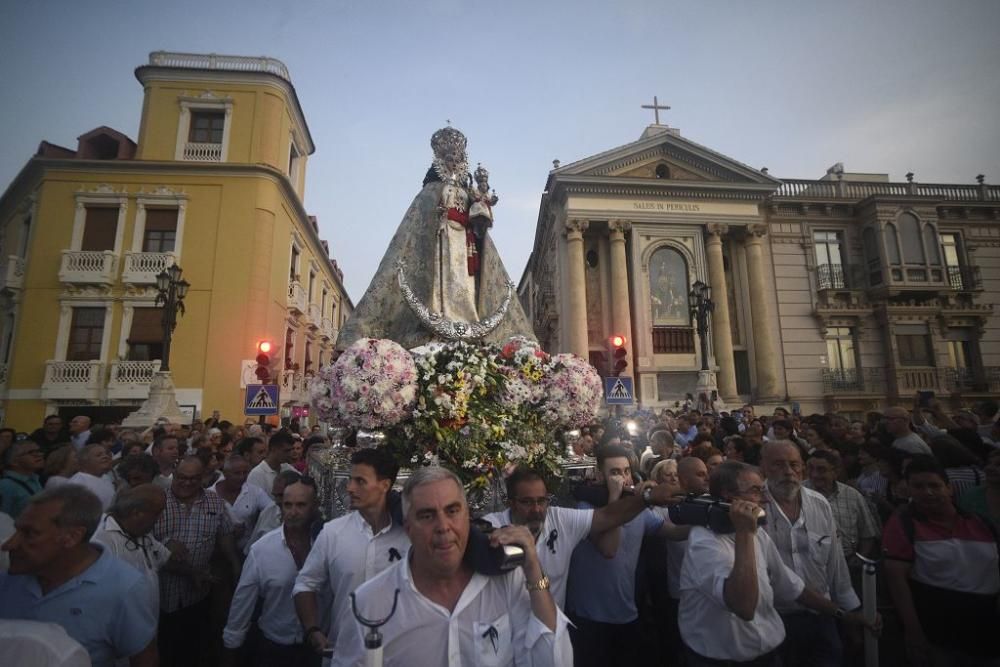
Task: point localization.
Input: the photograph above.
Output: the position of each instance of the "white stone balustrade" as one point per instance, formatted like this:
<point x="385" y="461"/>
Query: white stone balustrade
<point x="315" y="316"/>
<point x="141" y="268"/>
<point x="326" y="329"/>
<point x="201" y="152"/>
<point x="294" y="387"/>
<point x="221" y="62"/>
<point x="73" y="380"/>
<point x="131" y="379"/>
<point x="12" y="273"/>
<point x="296" y="297"/>
<point x="88" y="266"/>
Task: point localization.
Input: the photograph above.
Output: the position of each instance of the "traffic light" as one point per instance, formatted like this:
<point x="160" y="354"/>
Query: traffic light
<point x="264" y="361"/>
<point x="618" y="354"/>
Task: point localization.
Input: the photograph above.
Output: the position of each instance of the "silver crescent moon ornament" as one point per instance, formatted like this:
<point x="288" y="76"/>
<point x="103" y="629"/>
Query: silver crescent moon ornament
<point x="452" y="329"/>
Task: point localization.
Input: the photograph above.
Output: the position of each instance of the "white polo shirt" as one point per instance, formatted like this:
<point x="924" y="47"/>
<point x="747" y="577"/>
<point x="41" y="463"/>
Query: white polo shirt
<point x="268" y="574"/>
<point x="100" y="486"/>
<point x="263" y="475"/>
<point x="345" y="555"/>
<point x="492" y="624"/>
<point x="707" y="625"/>
<point x="145" y="554"/>
<point x="563" y="529"/>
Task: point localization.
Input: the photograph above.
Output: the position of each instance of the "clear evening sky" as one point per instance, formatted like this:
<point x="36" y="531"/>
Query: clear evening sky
<point x="888" y="86"/>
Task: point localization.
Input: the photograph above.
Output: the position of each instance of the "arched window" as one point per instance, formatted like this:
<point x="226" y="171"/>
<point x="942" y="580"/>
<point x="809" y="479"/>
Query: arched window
<point x="870" y="245"/>
<point x="931" y="244"/>
<point x="668" y="288"/>
<point x="892" y="244"/>
<point x="662" y="171"/>
<point x="909" y="231"/>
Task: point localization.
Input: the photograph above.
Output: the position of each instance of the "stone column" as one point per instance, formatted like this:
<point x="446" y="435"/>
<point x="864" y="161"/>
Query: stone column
<point x="764" y="322"/>
<point x="621" y="317"/>
<point x="722" y="336"/>
<point x="578" y="343"/>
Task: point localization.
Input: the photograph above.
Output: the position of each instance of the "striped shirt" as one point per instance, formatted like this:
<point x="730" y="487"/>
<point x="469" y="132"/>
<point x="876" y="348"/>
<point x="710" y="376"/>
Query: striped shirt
<point x="198" y="527"/>
<point x="964" y="478"/>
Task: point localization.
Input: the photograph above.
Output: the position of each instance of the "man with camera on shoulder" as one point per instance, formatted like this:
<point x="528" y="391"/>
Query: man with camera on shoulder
<point x="730" y="582"/>
<point x="446" y="613"/>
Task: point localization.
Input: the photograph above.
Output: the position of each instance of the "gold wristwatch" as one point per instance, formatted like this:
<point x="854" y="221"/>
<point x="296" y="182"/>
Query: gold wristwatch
<point x="540" y="585"/>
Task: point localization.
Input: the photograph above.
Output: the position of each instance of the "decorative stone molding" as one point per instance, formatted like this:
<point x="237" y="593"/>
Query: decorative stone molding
<point x="717" y="229"/>
<point x="619" y="227"/>
<point x="575" y="228"/>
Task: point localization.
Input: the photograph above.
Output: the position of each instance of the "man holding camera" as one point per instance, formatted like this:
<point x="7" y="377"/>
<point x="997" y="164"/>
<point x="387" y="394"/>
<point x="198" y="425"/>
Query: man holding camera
<point x="558" y="530"/>
<point x="802" y="527"/>
<point x="442" y="612"/>
<point x="730" y="582"/>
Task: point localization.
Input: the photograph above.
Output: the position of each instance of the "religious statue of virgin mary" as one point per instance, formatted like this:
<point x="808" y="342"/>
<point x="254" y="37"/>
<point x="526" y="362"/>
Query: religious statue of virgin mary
<point x="441" y="278"/>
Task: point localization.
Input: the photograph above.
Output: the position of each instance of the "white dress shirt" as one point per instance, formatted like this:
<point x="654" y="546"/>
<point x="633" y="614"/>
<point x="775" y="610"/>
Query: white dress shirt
<point x="101" y="486"/>
<point x="268" y="520"/>
<point x="345" y="555"/>
<point x="810" y="547"/>
<point x="268" y="573"/>
<point x="707" y="625"/>
<point x="263" y="475"/>
<point x="145" y="554"/>
<point x="571" y="527"/>
<point x="492" y="624"/>
<point x="244" y="511"/>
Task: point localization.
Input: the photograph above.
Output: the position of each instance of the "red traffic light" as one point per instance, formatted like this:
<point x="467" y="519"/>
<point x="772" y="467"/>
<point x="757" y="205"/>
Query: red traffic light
<point x="264" y="347"/>
<point x="618" y="341"/>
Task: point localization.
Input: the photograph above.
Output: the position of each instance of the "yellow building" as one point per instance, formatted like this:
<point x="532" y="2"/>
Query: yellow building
<point x="215" y="184"/>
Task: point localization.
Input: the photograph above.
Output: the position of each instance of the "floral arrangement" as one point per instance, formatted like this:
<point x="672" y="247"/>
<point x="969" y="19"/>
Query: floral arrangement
<point x="476" y="409"/>
<point x="373" y="385"/>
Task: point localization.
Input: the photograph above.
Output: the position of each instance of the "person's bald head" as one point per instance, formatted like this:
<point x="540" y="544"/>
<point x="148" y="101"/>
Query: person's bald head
<point x="693" y="475"/>
<point x="136" y="509"/>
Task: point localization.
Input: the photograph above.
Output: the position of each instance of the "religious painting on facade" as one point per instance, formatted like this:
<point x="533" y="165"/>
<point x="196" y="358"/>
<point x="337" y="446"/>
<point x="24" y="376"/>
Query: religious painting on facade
<point x="668" y="288"/>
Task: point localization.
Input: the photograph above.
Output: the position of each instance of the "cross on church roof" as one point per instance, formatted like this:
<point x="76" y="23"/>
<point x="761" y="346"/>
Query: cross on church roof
<point x="656" y="106"/>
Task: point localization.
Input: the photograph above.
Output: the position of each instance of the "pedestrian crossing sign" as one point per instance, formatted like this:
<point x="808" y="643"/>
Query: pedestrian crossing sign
<point x="261" y="399"/>
<point x="618" y="391"/>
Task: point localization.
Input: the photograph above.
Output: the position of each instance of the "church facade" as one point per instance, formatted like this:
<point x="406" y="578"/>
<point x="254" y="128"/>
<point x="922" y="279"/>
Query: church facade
<point x="847" y="293"/>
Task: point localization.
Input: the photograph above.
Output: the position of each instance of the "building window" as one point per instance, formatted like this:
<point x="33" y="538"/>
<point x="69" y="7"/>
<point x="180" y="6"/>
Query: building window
<point x="309" y="361"/>
<point x="915" y="349"/>
<point x="913" y="247"/>
<point x="207" y="127"/>
<point x="86" y="334"/>
<point x="892" y="244"/>
<point x="100" y="228"/>
<point x="829" y="260"/>
<point x="145" y="337"/>
<point x="289" y="348"/>
<point x="668" y="288"/>
<point x="312" y="280"/>
<point x="160" y="233"/>
<point x="840" y="348"/>
<point x="293" y="270"/>
<point x="662" y="171"/>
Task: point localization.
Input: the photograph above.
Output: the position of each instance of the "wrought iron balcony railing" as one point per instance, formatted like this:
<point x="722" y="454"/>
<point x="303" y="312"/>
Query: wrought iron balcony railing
<point x="853" y="381"/>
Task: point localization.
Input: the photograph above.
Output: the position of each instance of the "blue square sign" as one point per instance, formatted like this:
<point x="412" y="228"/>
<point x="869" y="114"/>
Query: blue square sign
<point x="618" y="391"/>
<point x="261" y="399"/>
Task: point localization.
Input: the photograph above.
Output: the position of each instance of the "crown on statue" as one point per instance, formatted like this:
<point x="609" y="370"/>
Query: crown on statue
<point x="481" y="175"/>
<point x="448" y="141"/>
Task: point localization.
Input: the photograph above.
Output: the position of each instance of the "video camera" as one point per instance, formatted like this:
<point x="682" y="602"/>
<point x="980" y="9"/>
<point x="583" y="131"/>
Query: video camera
<point x="487" y="559"/>
<point x="707" y="511"/>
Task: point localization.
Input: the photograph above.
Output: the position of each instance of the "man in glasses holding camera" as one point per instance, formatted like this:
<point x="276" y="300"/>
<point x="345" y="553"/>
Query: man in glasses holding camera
<point x="732" y="579"/>
<point x="558" y="530"/>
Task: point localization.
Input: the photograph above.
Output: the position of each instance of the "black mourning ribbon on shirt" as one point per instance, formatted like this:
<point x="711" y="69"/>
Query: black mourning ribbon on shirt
<point x="551" y="542"/>
<point x="394" y="555"/>
<point x="492" y="633"/>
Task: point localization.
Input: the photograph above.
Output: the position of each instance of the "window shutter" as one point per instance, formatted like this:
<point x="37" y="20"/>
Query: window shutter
<point x="147" y="326"/>
<point x="99" y="229"/>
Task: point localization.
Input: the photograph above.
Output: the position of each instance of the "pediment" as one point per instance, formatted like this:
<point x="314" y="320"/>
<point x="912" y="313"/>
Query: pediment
<point x="676" y="158"/>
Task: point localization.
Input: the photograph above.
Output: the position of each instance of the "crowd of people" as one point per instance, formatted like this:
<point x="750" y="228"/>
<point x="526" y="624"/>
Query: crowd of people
<point x="205" y="545"/>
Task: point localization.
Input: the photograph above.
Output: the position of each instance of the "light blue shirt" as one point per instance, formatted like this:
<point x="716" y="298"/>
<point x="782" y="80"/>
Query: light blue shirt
<point x="602" y="589"/>
<point x="106" y="608"/>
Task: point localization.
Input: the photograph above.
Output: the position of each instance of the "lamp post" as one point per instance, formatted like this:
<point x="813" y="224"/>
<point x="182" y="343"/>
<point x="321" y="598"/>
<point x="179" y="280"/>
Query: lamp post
<point x="701" y="306"/>
<point x="172" y="290"/>
<point x="161" y="406"/>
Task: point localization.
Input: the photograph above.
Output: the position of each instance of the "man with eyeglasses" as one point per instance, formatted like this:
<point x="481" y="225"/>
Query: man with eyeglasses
<point x="558" y="530"/>
<point x="193" y="525"/>
<point x="803" y="529"/>
<point x="22" y="462"/>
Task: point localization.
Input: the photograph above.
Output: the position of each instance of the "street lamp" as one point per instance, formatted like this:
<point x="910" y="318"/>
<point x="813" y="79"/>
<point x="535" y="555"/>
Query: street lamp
<point x="701" y="306"/>
<point x="171" y="292"/>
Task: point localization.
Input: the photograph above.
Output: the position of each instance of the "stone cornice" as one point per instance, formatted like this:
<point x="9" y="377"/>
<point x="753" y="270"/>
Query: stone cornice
<point x="642" y="187"/>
